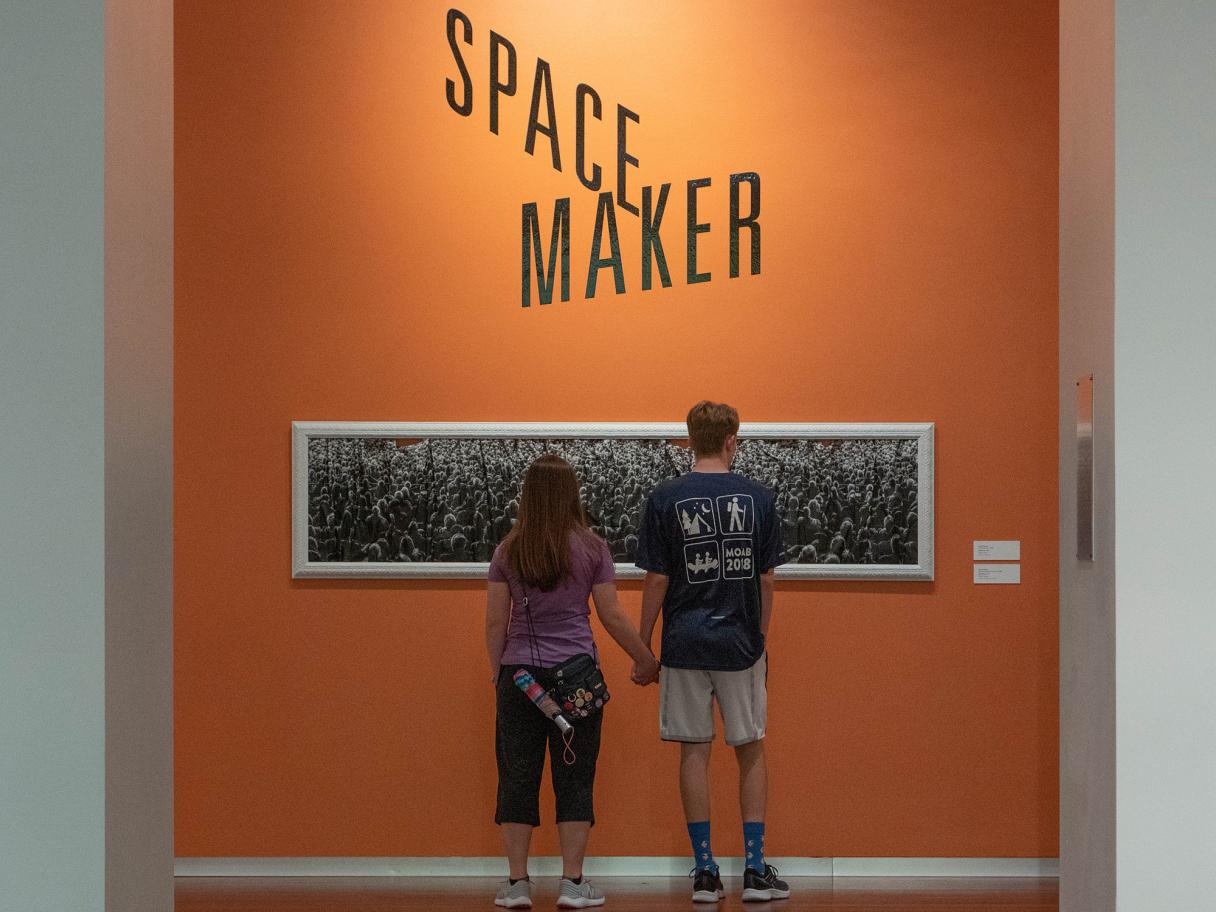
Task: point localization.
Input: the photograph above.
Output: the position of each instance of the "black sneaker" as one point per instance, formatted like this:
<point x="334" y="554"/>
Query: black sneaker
<point x="706" y="885"/>
<point x="766" y="886"/>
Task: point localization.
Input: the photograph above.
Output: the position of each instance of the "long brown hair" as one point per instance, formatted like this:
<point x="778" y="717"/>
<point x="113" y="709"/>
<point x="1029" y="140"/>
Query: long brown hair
<point x="538" y="547"/>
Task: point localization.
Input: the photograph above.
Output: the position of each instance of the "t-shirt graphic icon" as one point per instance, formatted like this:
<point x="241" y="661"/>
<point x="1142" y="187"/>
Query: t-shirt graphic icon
<point x="703" y="562"/>
<point x="696" y="515"/>
<point x="737" y="513"/>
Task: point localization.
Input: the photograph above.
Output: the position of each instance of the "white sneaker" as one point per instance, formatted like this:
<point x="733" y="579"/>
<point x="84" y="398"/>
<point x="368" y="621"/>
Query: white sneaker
<point x="578" y="895"/>
<point x="516" y="895"/>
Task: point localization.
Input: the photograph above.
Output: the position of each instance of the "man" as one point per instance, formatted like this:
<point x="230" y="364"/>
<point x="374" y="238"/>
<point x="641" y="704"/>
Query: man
<point x="709" y="542"/>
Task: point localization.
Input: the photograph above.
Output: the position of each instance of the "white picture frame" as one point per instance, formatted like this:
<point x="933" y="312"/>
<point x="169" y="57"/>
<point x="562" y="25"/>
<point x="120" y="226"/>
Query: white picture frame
<point x="305" y="431"/>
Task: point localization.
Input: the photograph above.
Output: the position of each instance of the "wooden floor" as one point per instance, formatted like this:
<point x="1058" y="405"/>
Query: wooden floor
<point x="644" y="894"/>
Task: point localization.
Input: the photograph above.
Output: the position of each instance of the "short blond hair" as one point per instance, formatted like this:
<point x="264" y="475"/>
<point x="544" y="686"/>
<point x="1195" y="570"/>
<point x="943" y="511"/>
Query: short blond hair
<point x="709" y="424"/>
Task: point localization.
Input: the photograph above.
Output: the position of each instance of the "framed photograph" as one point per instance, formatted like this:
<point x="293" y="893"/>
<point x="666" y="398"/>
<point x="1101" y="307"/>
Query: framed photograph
<point x="434" y="500"/>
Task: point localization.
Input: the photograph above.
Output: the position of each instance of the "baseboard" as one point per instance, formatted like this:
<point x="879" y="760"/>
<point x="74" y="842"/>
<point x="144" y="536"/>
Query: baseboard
<point x="610" y="866"/>
<point x="945" y="867"/>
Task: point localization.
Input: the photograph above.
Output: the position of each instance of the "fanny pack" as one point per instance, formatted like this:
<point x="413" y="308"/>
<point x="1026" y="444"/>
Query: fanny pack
<point x="578" y="687"/>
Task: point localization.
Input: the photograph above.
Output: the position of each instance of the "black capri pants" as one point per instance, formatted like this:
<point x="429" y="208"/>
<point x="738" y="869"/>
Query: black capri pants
<point x="522" y="735"/>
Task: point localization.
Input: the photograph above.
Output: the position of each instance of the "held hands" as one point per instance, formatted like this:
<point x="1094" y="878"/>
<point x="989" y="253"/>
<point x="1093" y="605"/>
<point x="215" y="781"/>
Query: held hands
<point x="645" y="672"/>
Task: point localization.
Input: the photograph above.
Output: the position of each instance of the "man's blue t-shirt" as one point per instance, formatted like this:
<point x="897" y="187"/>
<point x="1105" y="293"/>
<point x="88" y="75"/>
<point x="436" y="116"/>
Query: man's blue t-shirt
<point x="711" y="534"/>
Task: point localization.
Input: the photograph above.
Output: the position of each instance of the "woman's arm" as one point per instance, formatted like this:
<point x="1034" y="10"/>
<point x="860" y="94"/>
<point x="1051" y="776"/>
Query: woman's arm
<point x="498" y="616"/>
<point x="619" y="628"/>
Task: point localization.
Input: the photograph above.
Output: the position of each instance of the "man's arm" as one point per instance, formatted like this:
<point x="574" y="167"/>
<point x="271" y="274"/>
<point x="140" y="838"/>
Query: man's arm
<point x="772" y="553"/>
<point x="766" y="601"/>
<point x="654" y="588"/>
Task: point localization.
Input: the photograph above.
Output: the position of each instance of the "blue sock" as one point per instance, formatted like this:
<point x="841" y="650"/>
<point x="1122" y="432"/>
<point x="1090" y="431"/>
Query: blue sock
<point x="702" y="854"/>
<point x="753" y="845"/>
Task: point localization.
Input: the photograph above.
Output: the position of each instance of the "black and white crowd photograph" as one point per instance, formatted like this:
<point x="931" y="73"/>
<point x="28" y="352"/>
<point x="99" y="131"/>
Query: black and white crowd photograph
<point x="451" y="500"/>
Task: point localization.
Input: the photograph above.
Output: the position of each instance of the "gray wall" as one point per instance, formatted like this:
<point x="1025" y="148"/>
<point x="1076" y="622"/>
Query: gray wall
<point x="1087" y="590"/>
<point x="1137" y="280"/>
<point x="51" y="462"/>
<point x="138" y="455"/>
<point x="1165" y="450"/>
<point x="85" y="457"/>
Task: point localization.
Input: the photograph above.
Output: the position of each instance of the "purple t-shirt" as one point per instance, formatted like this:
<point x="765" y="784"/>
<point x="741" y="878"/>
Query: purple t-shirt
<point x="560" y="617"/>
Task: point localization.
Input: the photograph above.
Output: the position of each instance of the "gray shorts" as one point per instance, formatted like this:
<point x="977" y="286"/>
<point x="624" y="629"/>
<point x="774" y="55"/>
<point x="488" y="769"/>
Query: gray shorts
<point x="686" y="698"/>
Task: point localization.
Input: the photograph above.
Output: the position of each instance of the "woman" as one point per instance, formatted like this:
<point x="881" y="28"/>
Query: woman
<point x="555" y="561"/>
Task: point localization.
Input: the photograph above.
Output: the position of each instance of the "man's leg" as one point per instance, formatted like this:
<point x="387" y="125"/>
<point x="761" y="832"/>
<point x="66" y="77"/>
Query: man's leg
<point x="694" y="793"/>
<point x="686" y="714"/>
<point x="753" y="799"/>
<point x="743" y="696"/>
<point x="694" y="780"/>
<point x="753" y="780"/>
<point x="686" y="703"/>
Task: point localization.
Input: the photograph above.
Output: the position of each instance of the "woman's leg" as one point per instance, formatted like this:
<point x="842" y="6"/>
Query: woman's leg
<point x="516" y="837"/>
<point x="520" y="739"/>
<point x="574" y="789"/>
<point x="573" y="837"/>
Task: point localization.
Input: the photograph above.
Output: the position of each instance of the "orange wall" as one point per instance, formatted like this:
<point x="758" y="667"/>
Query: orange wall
<point x="348" y="247"/>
